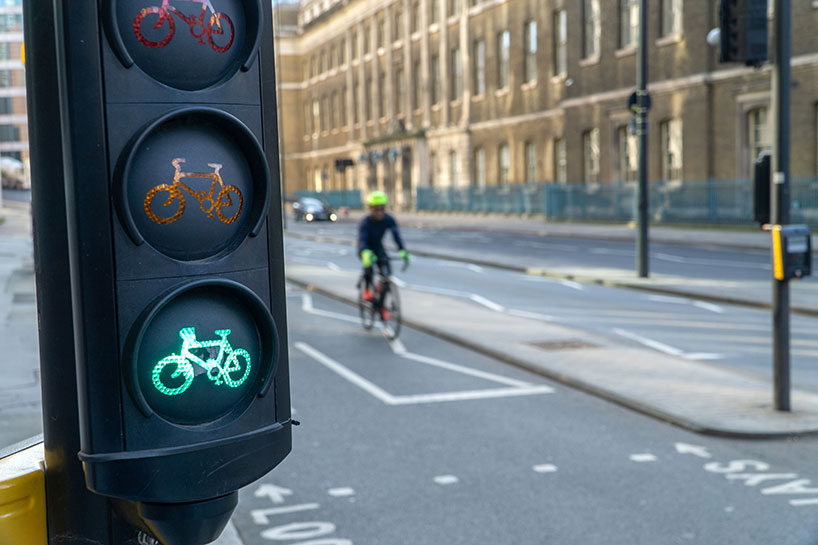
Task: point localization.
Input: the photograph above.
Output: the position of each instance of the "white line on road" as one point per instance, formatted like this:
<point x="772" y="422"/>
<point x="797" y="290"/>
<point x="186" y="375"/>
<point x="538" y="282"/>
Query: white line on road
<point x="260" y="515"/>
<point x="446" y="479"/>
<point x="532" y="315"/>
<point x="804" y="501"/>
<point x="640" y="458"/>
<point x="573" y="285"/>
<point x="709" y="306"/>
<point x="342" y="492"/>
<point x="390" y="399"/>
<point x="611" y="251"/>
<point x="545" y="468"/>
<point x="480" y="300"/>
<point x="398" y="282"/>
<point x="667" y="299"/>
<point x="306" y="305"/>
<point x="475" y="268"/>
<point x="333" y="267"/>
<point x="667" y="349"/>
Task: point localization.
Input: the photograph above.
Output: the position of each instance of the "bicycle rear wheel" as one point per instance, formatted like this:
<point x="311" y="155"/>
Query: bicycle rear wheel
<point x="390" y="311"/>
<point x="366" y="308"/>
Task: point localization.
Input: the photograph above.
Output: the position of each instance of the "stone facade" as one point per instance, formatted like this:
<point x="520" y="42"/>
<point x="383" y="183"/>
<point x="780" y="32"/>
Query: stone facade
<point x="405" y="93"/>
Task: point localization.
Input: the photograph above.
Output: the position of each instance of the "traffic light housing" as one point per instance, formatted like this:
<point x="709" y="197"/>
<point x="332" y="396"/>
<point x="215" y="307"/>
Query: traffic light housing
<point x="169" y="133"/>
<point x="744" y="36"/>
<point x="761" y="188"/>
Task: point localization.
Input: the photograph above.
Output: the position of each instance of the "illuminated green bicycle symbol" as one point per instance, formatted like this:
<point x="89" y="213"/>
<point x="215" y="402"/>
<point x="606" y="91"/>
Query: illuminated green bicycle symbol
<point x="225" y="368"/>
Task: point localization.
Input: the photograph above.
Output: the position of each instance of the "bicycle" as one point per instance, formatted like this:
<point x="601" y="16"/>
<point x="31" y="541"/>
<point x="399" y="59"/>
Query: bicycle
<point x="385" y="304"/>
<point x="225" y="368"/>
<point x="213" y="27"/>
<point x="207" y="203"/>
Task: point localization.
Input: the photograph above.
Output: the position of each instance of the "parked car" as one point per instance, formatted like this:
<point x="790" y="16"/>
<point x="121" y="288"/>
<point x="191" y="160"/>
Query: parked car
<point x="311" y="209"/>
<point x="13" y="173"/>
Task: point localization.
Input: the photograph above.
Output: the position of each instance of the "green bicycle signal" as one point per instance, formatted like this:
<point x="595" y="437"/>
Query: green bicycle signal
<point x="226" y="368"/>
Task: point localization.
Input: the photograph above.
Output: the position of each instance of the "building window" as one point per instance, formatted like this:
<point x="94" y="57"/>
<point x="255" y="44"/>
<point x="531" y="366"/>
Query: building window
<point x="400" y="90"/>
<point x="336" y="111"/>
<point x="368" y="103"/>
<point x="382" y="95"/>
<point x="436" y="86"/>
<point x="530" y="162"/>
<point x="503" y="48"/>
<point x="434" y="11"/>
<point x="628" y="23"/>
<point x="671" y="17"/>
<point x="592" y="29"/>
<point x="354" y="45"/>
<point x="560" y="43"/>
<point x="503" y="164"/>
<point x="415" y="16"/>
<point x="332" y="57"/>
<point x="530" y="65"/>
<point x="671" y="131"/>
<point x="356" y="101"/>
<point x="316" y="115"/>
<point x="342" y="52"/>
<point x="343" y="107"/>
<point x="454" y="169"/>
<point x="381" y="32"/>
<point x="398" y="33"/>
<point x="325" y="113"/>
<point x="433" y="168"/>
<point x="480" y="167"/>
<point x="418" y="88"/>
<point x="628" y="155"/>
<point x="307" y="119"/>
<point x="456" y="74"/>
<point x="590" y="155"/>
<point x="367" y="39"/>
<point x="479" y="67"/>
<point x="759" y="138"/>
<point x="560" y="161"/>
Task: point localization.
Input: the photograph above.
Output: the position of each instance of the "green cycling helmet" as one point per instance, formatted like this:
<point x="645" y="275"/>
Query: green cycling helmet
<point x="377" y="198"/>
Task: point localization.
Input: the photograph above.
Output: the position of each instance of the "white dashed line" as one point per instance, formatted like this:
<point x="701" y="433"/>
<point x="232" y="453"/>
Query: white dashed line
<point x="343" y="492"/>
<point x="545" y="468"/>
<point x="643" y="458"/>
<point x="446" y="479"/>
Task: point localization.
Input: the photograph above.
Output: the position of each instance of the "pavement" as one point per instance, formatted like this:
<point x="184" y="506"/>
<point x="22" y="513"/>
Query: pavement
<point x="700" y="396"/>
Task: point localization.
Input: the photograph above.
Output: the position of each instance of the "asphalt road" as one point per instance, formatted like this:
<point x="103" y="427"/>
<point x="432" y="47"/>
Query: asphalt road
<point x="428" y="443"/>
<point x="555" y="252"/>
<point x="734" y="336"/>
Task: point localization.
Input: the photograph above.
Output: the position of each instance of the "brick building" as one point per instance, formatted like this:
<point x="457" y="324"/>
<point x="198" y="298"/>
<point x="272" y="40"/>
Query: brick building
<point x="397" y="94"/>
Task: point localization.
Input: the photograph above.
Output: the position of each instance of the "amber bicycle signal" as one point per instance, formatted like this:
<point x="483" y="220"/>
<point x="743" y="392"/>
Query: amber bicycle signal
<point x="198" y="28"/>
<point x="175" y="202"/>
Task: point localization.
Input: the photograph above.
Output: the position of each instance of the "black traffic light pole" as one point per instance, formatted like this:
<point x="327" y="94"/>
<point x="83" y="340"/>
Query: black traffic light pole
<point x="780" y="198"/>
<point x="75" y="515"/>
<point x="642" y="132"/>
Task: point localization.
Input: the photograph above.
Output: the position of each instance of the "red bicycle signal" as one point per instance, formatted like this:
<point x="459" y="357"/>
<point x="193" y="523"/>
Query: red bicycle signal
<point x="214" y="30"/>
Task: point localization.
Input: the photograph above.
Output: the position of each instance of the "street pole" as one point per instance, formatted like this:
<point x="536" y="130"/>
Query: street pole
<point x="780" y="198"/>
<point x="642" y="132"/>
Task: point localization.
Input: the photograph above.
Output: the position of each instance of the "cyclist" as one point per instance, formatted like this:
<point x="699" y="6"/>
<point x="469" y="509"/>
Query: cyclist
<point x="370" y="243"/>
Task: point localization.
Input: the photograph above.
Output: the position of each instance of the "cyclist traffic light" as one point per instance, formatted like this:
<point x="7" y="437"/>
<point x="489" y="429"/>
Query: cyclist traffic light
<point x="170" y="140"/>
<point x="743" y="36"/>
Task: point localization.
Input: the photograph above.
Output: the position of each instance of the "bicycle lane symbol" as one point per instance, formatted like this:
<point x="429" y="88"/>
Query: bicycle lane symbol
<point x="292" y="531"/>
<point x="219" y="29"/>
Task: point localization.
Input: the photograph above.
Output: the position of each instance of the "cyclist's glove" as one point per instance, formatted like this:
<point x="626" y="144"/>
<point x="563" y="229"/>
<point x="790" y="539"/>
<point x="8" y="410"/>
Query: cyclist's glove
<point x="367" y="258"/>
<point x="405" y="256"/>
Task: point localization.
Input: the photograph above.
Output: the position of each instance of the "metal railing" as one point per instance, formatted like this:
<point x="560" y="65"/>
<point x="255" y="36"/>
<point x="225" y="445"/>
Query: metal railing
<point x="728" y="202"/>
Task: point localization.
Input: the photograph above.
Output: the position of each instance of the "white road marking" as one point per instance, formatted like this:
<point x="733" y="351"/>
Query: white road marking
<point x="394" y="400"/>
<point x="573" y="285"/>
<point x="260" y="515"/>
<point x="465" y="370"/>
<point x="342" y="492"/>
<point x="475" y="268"/>
<point x="641" y="458"/>
<point x="695" y="450"/>
<point x="667" y="299"/>
<point x="667" y="349"/>
<point x="446" y="479"/>
<point x="333" y="267"/>
<point x="704" y="261"/>
<point x="545" y="468"/>
<point x="306" y="305"/>
<point x="804" y="501"/>
<point x="611" y="251"/>
<point x="275" y="493"/>
<point x="480" y="300"/>
<point x="709" y="306"/>
<point x="398" y="282"/>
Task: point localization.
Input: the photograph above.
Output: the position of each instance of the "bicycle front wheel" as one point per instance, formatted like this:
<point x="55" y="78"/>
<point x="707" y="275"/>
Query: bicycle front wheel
<point x="390" y="311"/>
<point x="171" y="210"/>
<point x="220" y="32"/>
<point x="236" y="368"/>
<point x="153" y="27"/>
<point x="365" y="308"/>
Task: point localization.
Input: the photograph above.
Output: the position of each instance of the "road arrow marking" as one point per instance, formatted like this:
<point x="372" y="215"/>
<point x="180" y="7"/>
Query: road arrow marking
<point x="260" y="516"/>
<point x="275" y="493"/>
<point x="695" y="450"/>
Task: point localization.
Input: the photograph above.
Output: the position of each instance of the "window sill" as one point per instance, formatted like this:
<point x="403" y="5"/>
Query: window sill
<point x="397" y="44"/>
<point x="670" y="39"/>
<point x="370" y="123"/>
<point x="529" y="85"/>
<point x="416" y="36"/>
<point x="434" y="27"/>
<point x="559" y="78"/>
<point x="478" y="98"/>
<point x="368" y="57"/>
<point x="455" y="103"/>
<point x="625" y="52"/>
<point x="436" y="107"/>
<point x="590" y="61"/>
<point x="501" y="92"/>
<point x="381" y="51"/>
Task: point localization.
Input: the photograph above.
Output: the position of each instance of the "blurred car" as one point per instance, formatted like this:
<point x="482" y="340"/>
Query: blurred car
<point x="311" y="209"/>
<point x="13" y="173"/>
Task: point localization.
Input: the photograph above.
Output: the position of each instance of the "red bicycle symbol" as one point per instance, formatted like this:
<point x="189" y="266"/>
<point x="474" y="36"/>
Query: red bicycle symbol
<point x="198" y="28"/>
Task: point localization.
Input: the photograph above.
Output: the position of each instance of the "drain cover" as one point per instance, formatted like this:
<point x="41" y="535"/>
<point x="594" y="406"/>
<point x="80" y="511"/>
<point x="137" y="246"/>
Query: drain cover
<point x="563" y="344"/>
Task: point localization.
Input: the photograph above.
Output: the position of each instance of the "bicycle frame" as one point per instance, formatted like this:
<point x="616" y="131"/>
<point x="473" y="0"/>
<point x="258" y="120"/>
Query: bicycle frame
<point x="190" y="20"/>
<point x="189" y="343"/>
<point x="200" y="196"/>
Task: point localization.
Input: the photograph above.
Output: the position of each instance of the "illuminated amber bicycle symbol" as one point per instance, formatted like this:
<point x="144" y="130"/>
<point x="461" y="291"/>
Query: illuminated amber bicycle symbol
<point x="175" y="203"/>
<point x="225" y="368"/>
<point x="198" y="28"/>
